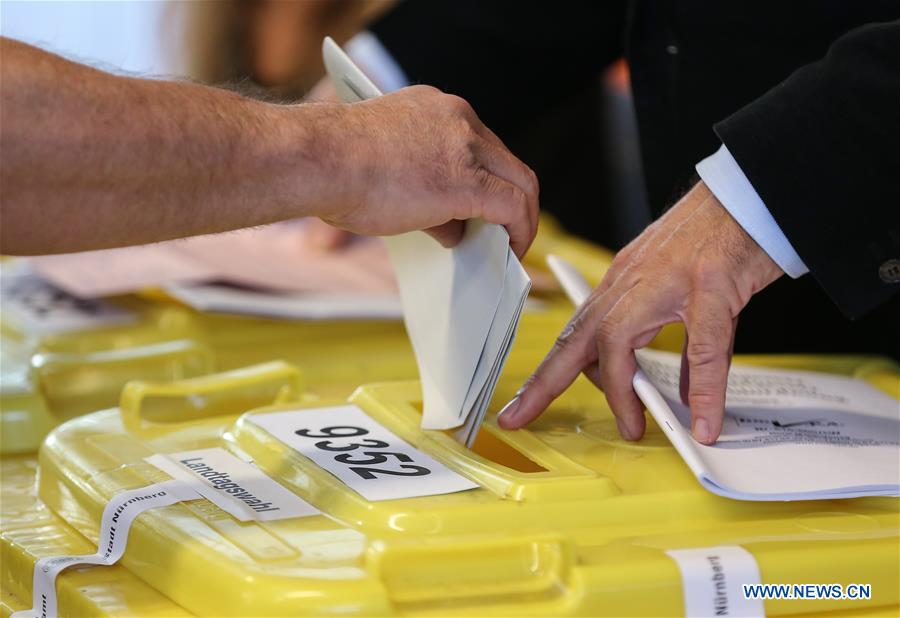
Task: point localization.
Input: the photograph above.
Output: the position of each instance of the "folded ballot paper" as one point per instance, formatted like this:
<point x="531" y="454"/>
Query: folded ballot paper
<point x="787" y="435"/>
<point x="461" y="306"/>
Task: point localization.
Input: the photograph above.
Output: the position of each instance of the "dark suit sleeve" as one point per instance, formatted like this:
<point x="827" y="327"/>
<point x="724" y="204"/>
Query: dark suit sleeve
<point x="511" y="59"/>
<point x="822" y="149"/>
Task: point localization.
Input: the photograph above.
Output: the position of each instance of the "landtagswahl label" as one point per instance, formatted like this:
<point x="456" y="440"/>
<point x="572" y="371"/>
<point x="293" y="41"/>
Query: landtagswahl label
<point x="235" y="486"/>
<point x="713" y="580"/>
<point x="363" y="454"/>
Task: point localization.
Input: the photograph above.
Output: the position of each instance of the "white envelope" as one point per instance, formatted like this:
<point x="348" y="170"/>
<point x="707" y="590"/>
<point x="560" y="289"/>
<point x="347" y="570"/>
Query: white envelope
<point x="461" y="306"/>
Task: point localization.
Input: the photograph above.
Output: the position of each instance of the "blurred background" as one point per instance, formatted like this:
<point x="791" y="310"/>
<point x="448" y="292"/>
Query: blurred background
<point x="583" y="148"/>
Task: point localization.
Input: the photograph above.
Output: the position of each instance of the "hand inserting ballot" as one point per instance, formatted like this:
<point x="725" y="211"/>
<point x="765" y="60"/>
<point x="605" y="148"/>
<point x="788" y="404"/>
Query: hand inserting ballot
<point x="423" y="160"/>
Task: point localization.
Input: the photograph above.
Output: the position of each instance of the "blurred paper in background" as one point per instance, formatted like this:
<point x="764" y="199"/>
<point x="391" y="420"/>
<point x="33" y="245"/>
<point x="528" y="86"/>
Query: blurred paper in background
<point x="278" y="258"/>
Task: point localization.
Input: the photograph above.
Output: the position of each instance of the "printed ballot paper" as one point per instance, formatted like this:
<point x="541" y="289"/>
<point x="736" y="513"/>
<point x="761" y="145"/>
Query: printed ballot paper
<point x="461" y="306"/>
<point x="787" y="435"/>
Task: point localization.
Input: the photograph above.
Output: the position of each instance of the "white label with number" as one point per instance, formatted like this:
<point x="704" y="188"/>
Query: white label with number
<point x="368" y="458"/>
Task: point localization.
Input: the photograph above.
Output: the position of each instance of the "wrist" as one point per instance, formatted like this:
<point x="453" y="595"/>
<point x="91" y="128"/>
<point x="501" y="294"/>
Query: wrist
<point x="299" y="157"/>
<point x="755" y="269"/>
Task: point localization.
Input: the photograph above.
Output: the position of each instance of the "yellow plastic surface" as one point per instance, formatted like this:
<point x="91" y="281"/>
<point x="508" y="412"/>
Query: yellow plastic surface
<point x="47" y="379"/>
<point x="569" y="519"/>
<point x="31" y="531"/>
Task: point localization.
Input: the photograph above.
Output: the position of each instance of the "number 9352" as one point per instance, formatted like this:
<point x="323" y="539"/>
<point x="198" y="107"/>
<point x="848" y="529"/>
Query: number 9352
<point x="351" y="453"/>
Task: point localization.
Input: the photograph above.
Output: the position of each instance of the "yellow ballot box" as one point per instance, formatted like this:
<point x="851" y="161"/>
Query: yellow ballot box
<point x="62" y="356"/>
<point x="292" y="516"/>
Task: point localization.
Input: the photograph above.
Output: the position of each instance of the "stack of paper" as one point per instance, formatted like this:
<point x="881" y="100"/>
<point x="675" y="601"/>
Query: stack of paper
<point x="787" y="435"/>
<point x="276" y="258"/>
<point x="461" y="306"/>
<point x="272" y="271"/>
<point x="296" y="306"/>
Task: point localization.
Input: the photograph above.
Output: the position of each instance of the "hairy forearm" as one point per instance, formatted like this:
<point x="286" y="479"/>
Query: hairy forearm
<point x="90" y="160"/>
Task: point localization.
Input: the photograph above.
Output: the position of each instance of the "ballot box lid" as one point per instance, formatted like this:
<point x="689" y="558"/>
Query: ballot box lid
<point x="564" y="517"/>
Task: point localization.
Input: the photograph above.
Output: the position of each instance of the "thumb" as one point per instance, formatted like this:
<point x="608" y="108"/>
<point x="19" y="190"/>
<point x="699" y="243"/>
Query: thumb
<point x="448" y="234"/>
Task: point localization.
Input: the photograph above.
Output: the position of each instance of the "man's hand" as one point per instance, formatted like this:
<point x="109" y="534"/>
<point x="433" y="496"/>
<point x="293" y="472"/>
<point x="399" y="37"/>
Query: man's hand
<point x="694" y="265"/>
<point x="421" y="159"/>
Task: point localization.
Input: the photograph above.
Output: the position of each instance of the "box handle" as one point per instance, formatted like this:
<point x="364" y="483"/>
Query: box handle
<point x="149" y="407"/>
<point x="185" y="351"/>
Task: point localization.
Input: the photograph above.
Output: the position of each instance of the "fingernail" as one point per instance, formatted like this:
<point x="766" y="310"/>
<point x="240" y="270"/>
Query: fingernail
<point x="508" y="413"/>
<point x="701" y="430"/>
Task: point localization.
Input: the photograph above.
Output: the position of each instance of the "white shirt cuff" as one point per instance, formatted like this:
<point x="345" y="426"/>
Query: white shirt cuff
<point x="727" y="182"/>
<point x="376" y="62"/>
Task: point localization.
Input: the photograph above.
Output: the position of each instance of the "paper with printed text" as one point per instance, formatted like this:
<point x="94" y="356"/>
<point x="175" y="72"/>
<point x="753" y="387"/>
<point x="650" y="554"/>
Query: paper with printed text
<point x="787" y="435"/>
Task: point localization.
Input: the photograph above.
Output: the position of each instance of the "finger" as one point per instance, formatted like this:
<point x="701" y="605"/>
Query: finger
<point x="710" y="327"/>
<point x="631" y="323"/>
<point x="499" y="201"/>
<point x="501" y="162"/>
<point x="684" y="375"/>
<point x="571" y="353"/>
<point x="448" y="234"/>
<point x="592" y="373"/>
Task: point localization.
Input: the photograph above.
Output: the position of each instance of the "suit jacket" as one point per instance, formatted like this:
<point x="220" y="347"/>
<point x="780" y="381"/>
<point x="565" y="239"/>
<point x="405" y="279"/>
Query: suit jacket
<point x="814" y="130"/>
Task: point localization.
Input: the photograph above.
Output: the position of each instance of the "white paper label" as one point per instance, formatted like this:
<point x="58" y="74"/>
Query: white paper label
<point x="117" y="518"/>
<point x="32" y="305"/>
<point x="235" y="486"/>
<point x="368" y="458"/>
<point x="713" y="578"/>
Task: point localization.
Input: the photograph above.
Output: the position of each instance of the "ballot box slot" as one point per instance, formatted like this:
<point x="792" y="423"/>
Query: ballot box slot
<point x="514" y="465"/>
<point x="492" y="448"/>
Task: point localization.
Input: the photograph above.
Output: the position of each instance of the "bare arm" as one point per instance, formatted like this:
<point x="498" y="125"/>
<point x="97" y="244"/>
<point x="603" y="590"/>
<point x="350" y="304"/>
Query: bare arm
<point x="90" y="160"/>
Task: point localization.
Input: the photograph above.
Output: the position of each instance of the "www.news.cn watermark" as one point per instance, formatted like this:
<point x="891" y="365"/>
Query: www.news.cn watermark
<point x="807" y="591"/>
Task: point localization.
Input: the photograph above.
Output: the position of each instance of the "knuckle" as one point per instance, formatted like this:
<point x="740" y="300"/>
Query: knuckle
<point x="703" y="398"/>
<point x="707" y="273"/>
<point x="702" y="354"/>
<point x="572" y="334"/>
<point x="456" y="104"/>
<point x="467" y="161"/>
<point x="608" y="332"/>
<point x="517" y="198"/>
<point x="627" y="257"/>
<point x="427" y="90"/>
<point x="564" y="339"/>
<point x="534" y="183"/>
<point x="483" y="178"/>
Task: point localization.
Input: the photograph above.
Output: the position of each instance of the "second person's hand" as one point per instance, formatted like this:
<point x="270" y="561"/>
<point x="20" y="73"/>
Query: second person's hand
<point x="421" y="159"/>
<point x="695" y="265"/>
